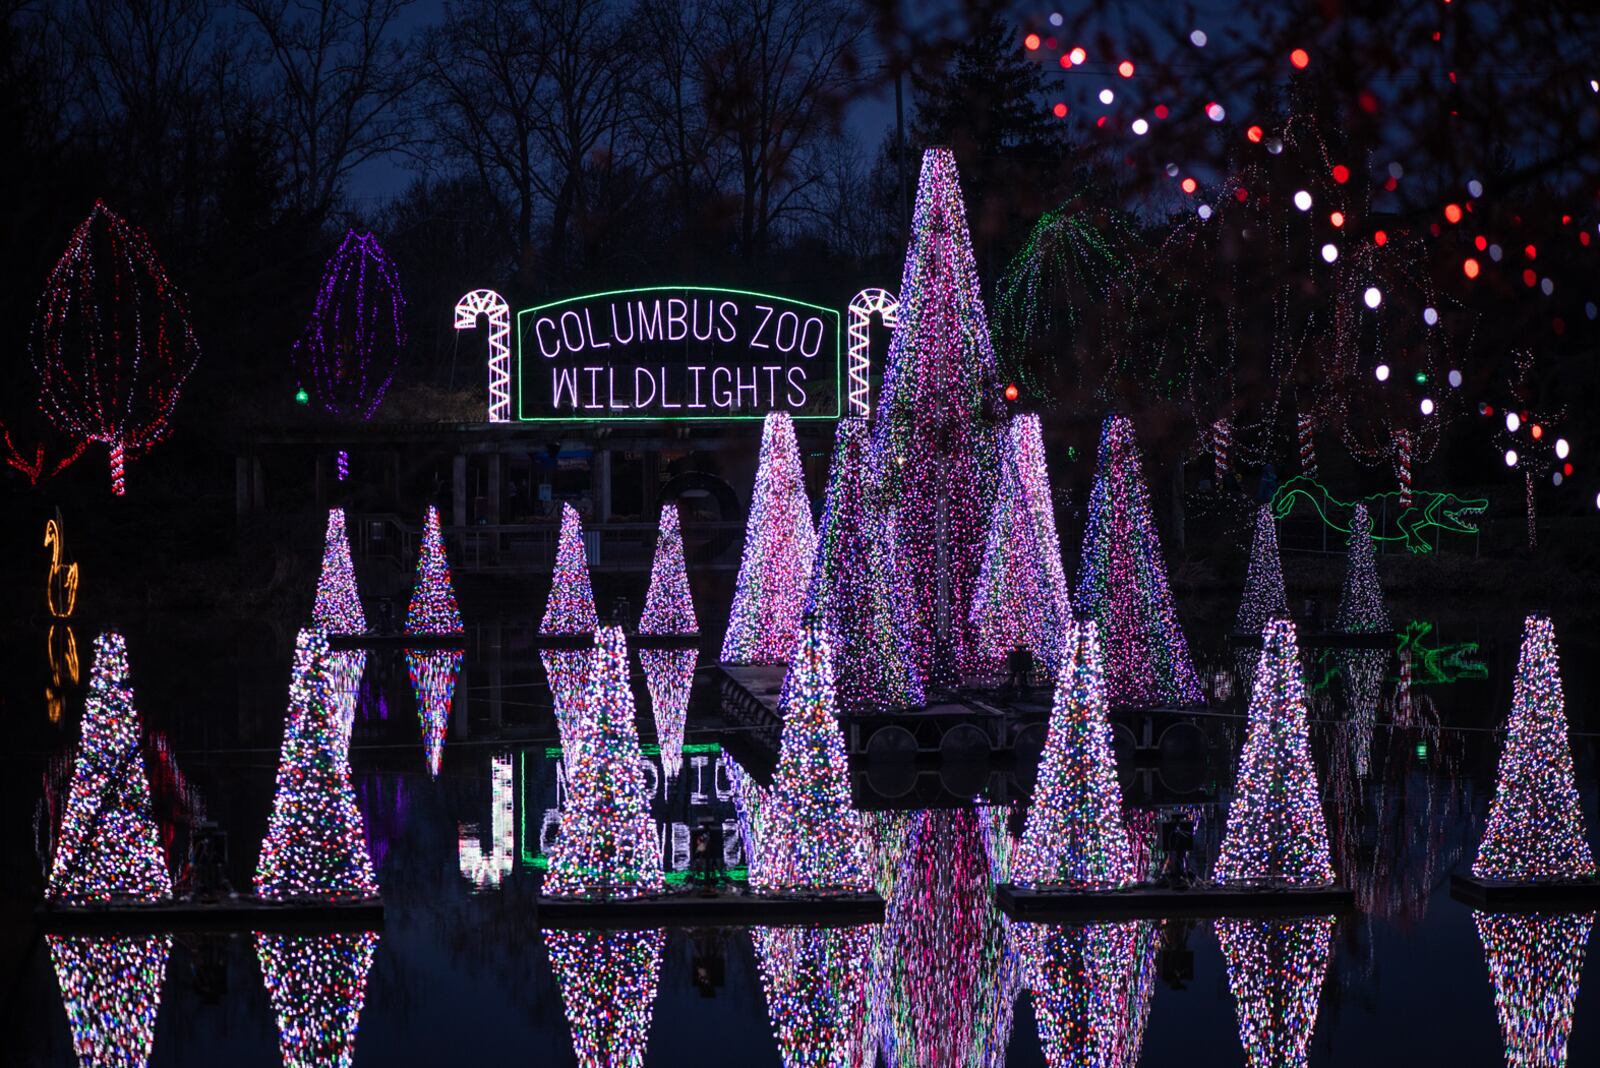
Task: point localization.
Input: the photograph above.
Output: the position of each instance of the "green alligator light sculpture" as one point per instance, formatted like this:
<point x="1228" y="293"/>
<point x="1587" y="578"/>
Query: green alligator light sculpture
<point x="1442" y="511"/>
<point x="1439" y="665"/>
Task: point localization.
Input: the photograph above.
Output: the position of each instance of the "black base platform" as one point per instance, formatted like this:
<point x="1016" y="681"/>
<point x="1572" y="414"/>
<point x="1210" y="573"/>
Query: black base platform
<point x="1511" y="897"/>
<point x="397" y="641"/>
<point x="231" y="914"/>
<point x="1158" y="903"/>
<point x="1324" y="639"/>
<point x="726" y="908"/>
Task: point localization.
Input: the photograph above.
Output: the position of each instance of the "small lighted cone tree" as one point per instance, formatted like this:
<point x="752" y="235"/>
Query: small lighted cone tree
<point x="1362" y="673"/>
<point x="1535" y="962"/>
<point x="569" y="610"/>
<point x="1536" y="827"/>
<point x="111" y="989"/>
<point x="608" y="845"/>
<point x="112" y="344"/>
<point x="816" y="982"/>
<point x="780" y="542"/>
<point x="669" y="609"/>
<point x="853" y="590"/>
<point x="1074" y="835"/>
<point x="1021" y="600"/>
<point x="107" y="849"/>
<point x="608" y="988"/>
<point x="811" y="838"/>
<point x="1122" y="583"/>
<point x="1264" y="596"/>
<point x="1091" y="990"/>
<point x="317" y="985"/>
<point x="433" y="600"/>
<point x="338" y="605"/>
<point x="1276" y="834"/>
<point x="315" y="846"/>
<point x="1275" y="970"/>
<point x="935" y="448"/>
<point x="433" y="680"/>
<point x="1361" y="608"/>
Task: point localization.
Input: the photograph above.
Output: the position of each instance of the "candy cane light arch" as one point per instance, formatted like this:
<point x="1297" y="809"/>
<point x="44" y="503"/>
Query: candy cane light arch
<point x="862" y="307"/>
<point x="488" y="302"/>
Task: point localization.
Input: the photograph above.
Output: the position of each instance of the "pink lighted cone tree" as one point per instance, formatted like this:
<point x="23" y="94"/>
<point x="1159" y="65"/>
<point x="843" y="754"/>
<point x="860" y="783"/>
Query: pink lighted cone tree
<point x="1536" y="827"/>
<point x="433" y="600"/>
<point x="433" y="681"/>
<point x="669" y="609"/>
<point x="780" y="542"/>
<point x="1361" y="608"/>
<point x="570" y="610"/>
<point x="817" y="982"/>
<point x="112" y="344"/>
<point x="935" y="448"/>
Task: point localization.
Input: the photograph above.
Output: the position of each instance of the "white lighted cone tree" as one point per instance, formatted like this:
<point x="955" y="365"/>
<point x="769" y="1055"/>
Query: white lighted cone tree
<point x="1536" y="827"/>
<point x="1075" y="835"/>
<point x="337" y="610"/>
<point x="1276" y="833"/>
<point x="669" y="609"/>
<point x="1361" y="608"/>
<point x="780" y="542"/>
<point x="608" y="988"/>
<point x="1264" y="598"/>
<point x="111" y="989"/>
<point x="608" y="845"/>
<point x="817" y="984"/>
<point x="317" y="985"/>
<point x="569" y="610"/>
<point x="1021" y="601"/>
<point x="433" y="600"/>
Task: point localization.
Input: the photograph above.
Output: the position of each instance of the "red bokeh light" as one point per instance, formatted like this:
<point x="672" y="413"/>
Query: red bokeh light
<point x="1125" y="68"/>
<point x="1531" y="252"/>
<point x="1066" y="60"/>
<point x="1161" y="111"/>
<point x="1470" y="267"/>
<point x="1012" y="392"/>
<point x="1337" y="218"/>
<point x="1060" y="109"/>
<point x="1380" y="237"/>
<point x="1031" y="42"/>
<point x="1189" y="185"/>
<point x="1537" y="431"/>
<point x="1241" y="194"/>
<point x="1529" y="279"/>
<point x="1300" y="58"/>
<point x="1452" y="212"/>
<point x="1254" y="134"/>
<point x="1341" y="173"/>
<point x="1480" y="242"/>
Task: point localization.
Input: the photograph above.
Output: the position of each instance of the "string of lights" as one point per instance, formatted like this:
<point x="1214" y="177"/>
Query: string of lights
<point x="347" y="354"/>
<point x="1361" y="609"/>
<point x="1091" y="989"/>
<point x="492" y="306"/>
<point x="816" y="982"/>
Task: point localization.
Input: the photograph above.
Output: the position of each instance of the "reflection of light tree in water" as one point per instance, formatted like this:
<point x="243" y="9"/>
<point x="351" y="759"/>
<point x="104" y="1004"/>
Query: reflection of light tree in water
<point x="433" y="680"/>
<point x="1535" y="962"/>
<point x="1275" y="971"/>
<point x="1091" y="989"/>
<point x="111" y="989"/>
<point x="669" y="609"/>
<point x="317" y="984"/>
<point x="608" y="989"/>
<point x="816" y="982"/>
<point x="569" y="610"/>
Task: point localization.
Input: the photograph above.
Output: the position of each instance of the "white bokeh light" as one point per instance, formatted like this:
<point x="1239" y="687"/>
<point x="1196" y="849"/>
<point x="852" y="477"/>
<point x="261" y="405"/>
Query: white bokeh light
<point x="1562" y="448"/>
<point x="1381" y="372"/>
<point x="1330" y="252"/>
<point x="1430" y="316"/>
<point x="1107" y="96"/>
<point x="1455" y="378"/>
<point x="1140" y="127"/>
<point x="1373" y="296"/>
<point x="1512" y="422"/>
<point x="1427" y="405"/>
<point x="1302" y="200"/>
<point x="1511" y="457"/>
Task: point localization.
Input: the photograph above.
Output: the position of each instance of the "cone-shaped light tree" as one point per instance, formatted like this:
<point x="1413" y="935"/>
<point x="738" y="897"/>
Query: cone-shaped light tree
<point x="107" y="849"/>
<point x="338" y="606"/>
<point x="1276" y="834"/>
<point x="1264" y="597"/>
<point x="608" y="845"/>
<point x="1361" y="608"/>
<point x="1535" y="962"/>
<point x="852" y="588"/>
<point x="1122" y="583"/>
<point x="780" y="542"/>
<point x="1536" y="820"/>
<point x="433" y="600"/>
<point x="570" y="610"/>
<point x="811" y="838"/>
<point x="669" y="609"/>
<point x="1074" y="835"/>
<point x="817" y="985"/>
<point x="315" y="845"/>
<point x="1091" y="990"/>
<point x="1021" y="599"/>
<point x="433" y="680"/>
<point x="317" y="985"/>
<point x="935" y="446"/>
<point x="608" y="987"/>
<point x="111" y="988"/>
<point x="1275" y="970"/>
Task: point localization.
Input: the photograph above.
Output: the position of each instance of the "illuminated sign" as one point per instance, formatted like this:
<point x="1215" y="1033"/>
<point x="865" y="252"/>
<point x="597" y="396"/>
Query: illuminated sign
<point x="677" y="352"/>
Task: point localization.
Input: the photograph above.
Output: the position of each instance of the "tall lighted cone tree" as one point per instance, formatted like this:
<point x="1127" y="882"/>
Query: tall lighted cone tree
<point x="811" y="836"/>
<point x="1022" y="600"/>
<point x="608" y="845"/>
<point x="1276" y="834"/>
<point x="569" y="610"/>
<point x="111" y="989"/>
<point x="1264" y="597"/>
<point x="853" y="591"/>
<point x="1091" y="990"/>
<point x="669" y="609"/>
<point x="935" y="448"/>
<point x="1536" y="820"/>
<point x="1535" y="962"/>
<point x="780" y="543"/>
<point x="317" y="985"/>
<point x="1275" y="970"/>
<point x="1074" y="835"/>
<point x="1122" y="583"/>
<point x="112" y="344"/>
<point x="608" y="988"/>
<point x="1361" y="608"/>
<point x="315" y="846"/>
<point x="107" y="849"/>
<point x="433" y="681"/>
<point x="817" y="983"/>
<point x="433" y="600"/>
<point x="338" y="606"/>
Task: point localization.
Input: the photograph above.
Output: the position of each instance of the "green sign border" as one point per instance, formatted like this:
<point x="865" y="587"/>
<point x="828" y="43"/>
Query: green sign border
<point x="838" y="359"/>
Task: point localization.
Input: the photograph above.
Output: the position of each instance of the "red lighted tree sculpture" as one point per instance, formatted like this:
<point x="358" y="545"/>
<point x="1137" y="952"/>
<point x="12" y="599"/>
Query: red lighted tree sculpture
<point x="112" y="343"/>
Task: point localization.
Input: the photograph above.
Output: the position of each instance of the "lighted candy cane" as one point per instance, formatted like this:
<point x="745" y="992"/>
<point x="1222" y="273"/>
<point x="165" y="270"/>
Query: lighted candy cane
<point x="1221" y="445"/>
<point x="1402" y="465"/>
<point x="1308" y="447"/>
<point x="862" y="307"/>
<point x="488" y="302"/>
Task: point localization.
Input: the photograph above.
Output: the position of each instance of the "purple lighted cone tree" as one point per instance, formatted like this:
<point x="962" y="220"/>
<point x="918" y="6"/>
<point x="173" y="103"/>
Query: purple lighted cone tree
<point x="1075" y="835"/>
<point x="347" y="354"/>
<point x="608" y="845"/>
<point x="315" y="846"/>
<point x="433" y="680"/>
<point x="817" y="985"/>
<point x="1536" y="821"/>
<point x="1122" y="584"/>
<point x="433" y="600"/>
<point x="1535" y="962"/>
<point x="779" y="544"/>
<point x="570" y="610"/>
<point x="1022" y="600"/>
<point x="935" y="449"/>
<point x="1275" y="970"/>
<point x="852" y="588"/>
<point x="111" y="988"/>
<point x="811" y="837"/>
<point x="669" y="609"/>
<point x="338" y="605"/>
<point x="107" y="849"/>
<point x="608" y="988"/>
<point x="317" y="985"/>
<point x="1276" y="832"/>
<point x="1361" y="608"/>
<point x="112" y="344"/>
<point x="1264" y="597"/>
